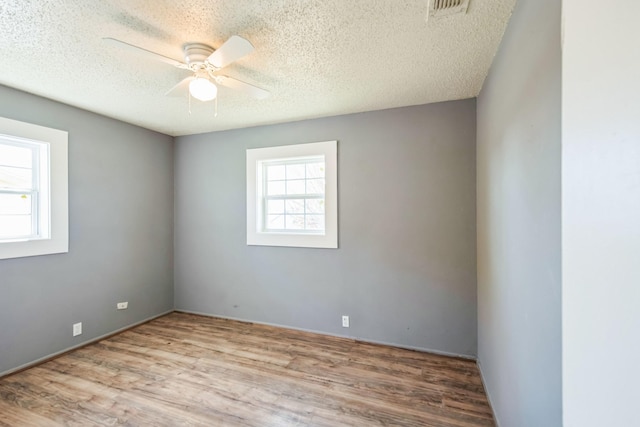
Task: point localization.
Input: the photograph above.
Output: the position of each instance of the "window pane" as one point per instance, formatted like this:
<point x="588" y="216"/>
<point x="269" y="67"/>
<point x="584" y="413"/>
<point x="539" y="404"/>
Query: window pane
<point x="295" y="206"/>
<point x="294" y="222"/>
<point x="15" y="226"/>
<point x="315" y="170"/>
<point x="275" y="188"/>
<point x="315" y="186"/>
<point x="295" y="187"/>
<point x="15" y="177"/>
<point x="15" y="204"/>
<point x="315" y="222"/>
<point x="295" y="171"/>
<point x="275" y="206"/>
<point x="11" y="155"/>
<point x="275" y="222"/>
<point x="275" y="172"/>
<point x="315" y="206"/>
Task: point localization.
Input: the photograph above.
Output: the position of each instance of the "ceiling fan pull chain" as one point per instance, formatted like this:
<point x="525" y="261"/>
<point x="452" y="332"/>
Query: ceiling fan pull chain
<point x="216" y="108"/>
<point x="189" y="103"/>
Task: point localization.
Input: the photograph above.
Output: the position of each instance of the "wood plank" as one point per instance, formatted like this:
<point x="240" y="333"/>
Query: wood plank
<point x="183" y="369"/>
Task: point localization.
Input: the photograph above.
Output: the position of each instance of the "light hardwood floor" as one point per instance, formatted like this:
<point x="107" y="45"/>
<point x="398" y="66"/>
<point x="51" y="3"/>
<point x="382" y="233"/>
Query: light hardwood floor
<point x="183" y="369"/>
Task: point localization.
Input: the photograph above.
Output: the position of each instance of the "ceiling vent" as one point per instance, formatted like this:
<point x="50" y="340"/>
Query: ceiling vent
<point x="440" y="8"/>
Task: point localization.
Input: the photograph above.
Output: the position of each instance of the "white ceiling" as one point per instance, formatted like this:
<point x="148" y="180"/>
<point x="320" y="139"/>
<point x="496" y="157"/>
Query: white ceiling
<point x="316" y="57"/>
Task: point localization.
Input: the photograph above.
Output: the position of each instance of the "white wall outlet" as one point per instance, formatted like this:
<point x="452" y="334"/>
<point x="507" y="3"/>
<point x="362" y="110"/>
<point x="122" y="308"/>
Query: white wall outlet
<point x="77" y="329"/>
<point x="123" y="305"/>
<point x="345" y="321"/>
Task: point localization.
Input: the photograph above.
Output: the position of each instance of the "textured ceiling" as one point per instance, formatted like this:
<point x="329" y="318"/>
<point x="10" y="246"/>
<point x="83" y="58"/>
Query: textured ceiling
<point x="316" y="57"/>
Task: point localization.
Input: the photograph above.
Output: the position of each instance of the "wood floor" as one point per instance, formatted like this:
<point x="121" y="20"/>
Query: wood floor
<point x="183" y="369"/>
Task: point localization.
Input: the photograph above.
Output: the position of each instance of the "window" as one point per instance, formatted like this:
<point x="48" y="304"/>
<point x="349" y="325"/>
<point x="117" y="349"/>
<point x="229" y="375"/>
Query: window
<point x="33" y="190"/>
<point x="292" y="195"/>
<point x="23" y="173"/>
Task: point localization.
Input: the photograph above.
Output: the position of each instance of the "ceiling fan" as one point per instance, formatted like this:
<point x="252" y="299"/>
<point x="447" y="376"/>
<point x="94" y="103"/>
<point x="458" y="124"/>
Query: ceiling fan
<point x="204" y="62"/>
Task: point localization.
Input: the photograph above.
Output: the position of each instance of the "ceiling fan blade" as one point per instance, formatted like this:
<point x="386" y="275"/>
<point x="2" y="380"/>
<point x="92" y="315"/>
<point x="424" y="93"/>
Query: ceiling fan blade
<point x="247" y="88"/>
<point x="145" y="52"/>
<point x="181" y="88"/>
<point x="231" y="50"/>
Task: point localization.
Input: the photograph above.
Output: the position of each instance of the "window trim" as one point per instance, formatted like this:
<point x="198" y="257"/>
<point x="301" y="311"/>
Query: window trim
<point x="255" y="234"/>
<point x="57" y="238"/>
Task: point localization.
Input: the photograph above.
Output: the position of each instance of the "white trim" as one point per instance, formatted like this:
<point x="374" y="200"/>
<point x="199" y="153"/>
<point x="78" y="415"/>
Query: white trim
<point x="255" y="235"/>
<point x="314" y="331"/>
<point x="486" y="391"/>
<point x="83" y="344"/>
<point x="58" y="240"/>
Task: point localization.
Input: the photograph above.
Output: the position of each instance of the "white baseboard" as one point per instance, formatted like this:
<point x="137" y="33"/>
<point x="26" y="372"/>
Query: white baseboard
<point x="486" y="391"/>
<point x="407" y="347"/>
<point x="85" y="343"/>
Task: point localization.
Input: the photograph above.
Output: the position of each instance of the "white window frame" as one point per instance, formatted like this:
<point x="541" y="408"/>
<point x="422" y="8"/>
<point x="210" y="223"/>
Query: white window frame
<point x="53" y="199"/>
<point x="256" y="233"/>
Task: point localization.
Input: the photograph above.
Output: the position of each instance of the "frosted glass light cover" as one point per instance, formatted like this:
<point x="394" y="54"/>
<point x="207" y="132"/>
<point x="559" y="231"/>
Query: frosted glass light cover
<point x="203" y="89"/>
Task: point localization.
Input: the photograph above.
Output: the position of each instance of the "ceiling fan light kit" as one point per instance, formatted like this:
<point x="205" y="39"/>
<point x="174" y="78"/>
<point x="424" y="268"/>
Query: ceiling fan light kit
<point x="203" y="89"/>
<point x="197" y="57"/>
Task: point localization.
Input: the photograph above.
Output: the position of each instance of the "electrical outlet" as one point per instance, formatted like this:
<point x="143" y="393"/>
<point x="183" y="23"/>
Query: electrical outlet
<point x="345" y="321"/>
<point x="77" y="329"/>
<point x="123" y="305"/>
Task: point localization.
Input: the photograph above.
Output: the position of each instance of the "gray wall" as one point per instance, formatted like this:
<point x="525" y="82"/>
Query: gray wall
<point x="519" y="259"/>
<point x="405" y="269"/>
<point x="601" y="214"/>
<point x="121" y="237"/>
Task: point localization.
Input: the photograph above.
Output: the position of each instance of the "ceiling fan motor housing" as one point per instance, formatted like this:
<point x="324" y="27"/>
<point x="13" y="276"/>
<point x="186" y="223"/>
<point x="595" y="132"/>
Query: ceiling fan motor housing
<point x="195" y="54"/>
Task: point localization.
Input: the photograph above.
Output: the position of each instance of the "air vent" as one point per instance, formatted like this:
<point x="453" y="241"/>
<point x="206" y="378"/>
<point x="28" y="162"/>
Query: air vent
<point x="439" y="8"/>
